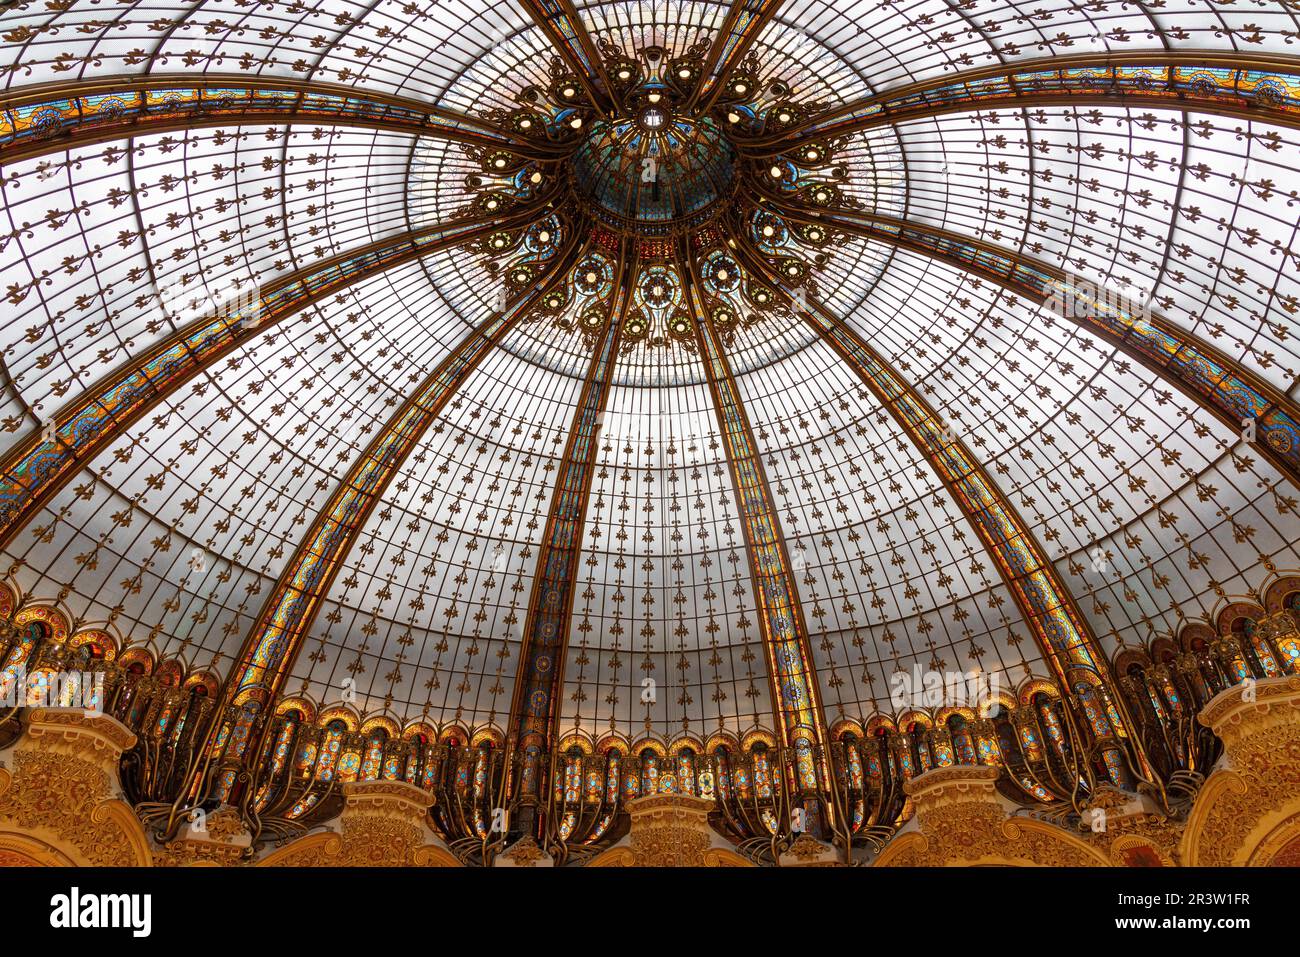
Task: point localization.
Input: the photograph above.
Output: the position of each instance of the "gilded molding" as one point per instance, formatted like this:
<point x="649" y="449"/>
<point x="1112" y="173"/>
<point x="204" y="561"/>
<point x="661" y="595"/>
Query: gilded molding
<point x="670" y="830"/>
<point x="962" y="820"/>
<point x="381" y="825"/>
<point x="1256" y="789"/>
<point x="63" y="795"/>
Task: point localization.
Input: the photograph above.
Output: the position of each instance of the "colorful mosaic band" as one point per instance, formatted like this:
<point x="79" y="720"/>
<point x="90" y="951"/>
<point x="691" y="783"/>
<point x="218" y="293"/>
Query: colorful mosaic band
<point x="1216" y="382"/>
<point x="1048" y="609"/>
<point x="1042" y="597"/>
<point x="289" y="612"/>
<point x="1264" y="88"/>
<point x="58" y="116"/>
<point x="785" y="637"/>
<point x="35" y="469"/>
<point x="535" y="710"/>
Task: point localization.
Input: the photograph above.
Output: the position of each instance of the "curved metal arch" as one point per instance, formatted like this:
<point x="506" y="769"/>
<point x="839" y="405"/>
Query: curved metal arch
<point x="34" y="470"/>
<point x="1212" y="379"/>
<point x="563" y="26"/>
<point x="1046" y="603"/>
<point x="273" y="642"/>
<point x="795" y="694"/>
<point x="1263" y="87"/>
<point x="744" y="21"/>
<point x="534" y="706"/>
<point x="51" y="117"/>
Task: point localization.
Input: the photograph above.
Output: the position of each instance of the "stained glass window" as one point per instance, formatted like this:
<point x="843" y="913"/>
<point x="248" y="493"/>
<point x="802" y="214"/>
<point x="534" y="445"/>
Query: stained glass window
<point x="299" y="402"/>
<point x="686" y="771"/>
<point x="331" y="746"/>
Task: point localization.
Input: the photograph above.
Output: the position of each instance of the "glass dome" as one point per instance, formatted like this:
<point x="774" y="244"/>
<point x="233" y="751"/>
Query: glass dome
<point x="276" y="407"/>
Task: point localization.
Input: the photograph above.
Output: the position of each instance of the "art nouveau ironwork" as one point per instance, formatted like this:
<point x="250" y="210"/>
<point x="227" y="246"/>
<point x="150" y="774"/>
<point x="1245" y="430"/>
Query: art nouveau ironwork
<point x="581" y="404"/>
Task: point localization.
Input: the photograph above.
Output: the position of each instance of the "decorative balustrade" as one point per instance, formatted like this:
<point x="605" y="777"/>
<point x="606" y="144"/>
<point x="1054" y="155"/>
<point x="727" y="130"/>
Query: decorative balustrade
<point x="1056" y="751"/>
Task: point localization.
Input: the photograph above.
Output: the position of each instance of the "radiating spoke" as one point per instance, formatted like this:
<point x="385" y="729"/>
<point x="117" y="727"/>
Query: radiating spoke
<point x="535" y="708"/>
<point x="1247" y="86"/>
<point x="1215" y="380"/>
<point x="46" y="118"/>
<point x="781" y="620"/>
<point x="562" y="24"/>
<point x="288" y="613"/>
<point x="1030" y="577"/>
<point x="745" y="20"/>
<point x="39" y="465"/>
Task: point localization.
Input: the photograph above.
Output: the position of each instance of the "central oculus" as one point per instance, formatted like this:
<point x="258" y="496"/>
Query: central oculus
<point x="653" y="172"/>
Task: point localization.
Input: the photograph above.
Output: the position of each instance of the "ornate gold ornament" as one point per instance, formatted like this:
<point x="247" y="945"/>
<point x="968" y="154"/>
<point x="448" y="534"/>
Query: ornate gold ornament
<point x="670" y="830"/>
<point x="381" y="825"/>
<point x="63" y="795"/>
<point x="678" y="203"/>
<point x="1254" y="797"/>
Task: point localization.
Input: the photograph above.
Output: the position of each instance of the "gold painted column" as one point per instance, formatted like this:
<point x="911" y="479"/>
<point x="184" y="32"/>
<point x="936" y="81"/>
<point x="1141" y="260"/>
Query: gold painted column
<point x="791" y="672"/>
<point x="670" y="830"/>
<point x="382" y="825"/>
<point x="60" y="799"/>
<point x="961" y="819"/>
<point x="1248" y="810"/>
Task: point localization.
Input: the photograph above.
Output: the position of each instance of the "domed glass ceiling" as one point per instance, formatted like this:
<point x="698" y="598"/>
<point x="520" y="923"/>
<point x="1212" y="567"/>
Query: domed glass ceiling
<point x="1150" y="503"/>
